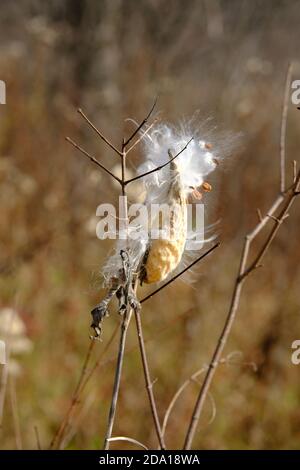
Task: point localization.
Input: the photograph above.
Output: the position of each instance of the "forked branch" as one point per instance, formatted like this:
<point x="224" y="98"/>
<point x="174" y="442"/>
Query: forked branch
<point x="141" y="125"/>
<point x="92" y="159"/>
<point x="284" y="200"/>
<point x="287" y="199"/>
<point x="112" y="146"/>
<point x="160" y="167"/>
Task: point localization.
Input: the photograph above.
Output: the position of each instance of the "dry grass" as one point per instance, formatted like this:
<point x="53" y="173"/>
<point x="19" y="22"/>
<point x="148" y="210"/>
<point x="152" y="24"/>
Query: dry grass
<point x="50" y="257"/>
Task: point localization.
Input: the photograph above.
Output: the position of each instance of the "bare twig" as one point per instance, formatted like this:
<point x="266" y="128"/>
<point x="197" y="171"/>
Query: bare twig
<point x="142" y="136"/>
<point x="178" y="394"/>
<point x="74" y="426"/>
<point x="93" y="159"/>
<point x="194" y="377"/>
<point x="99" y="133"/>
<point x="98" y="362"/>
<point x="124" y="327"/>
<point x="160" y="167"/>
<point x="117" y="380"/>
<point x="133" y="348"/>
<point x="84" y="378"/>
<point x="180" y="273"/>
<point x="137" y="130"/>
<point x="59" y="435"/>
<point x="288" y="197"/>
<point x="148" y="382"/>
<point x="278" y="220"/>
<point x="285" y="105"/>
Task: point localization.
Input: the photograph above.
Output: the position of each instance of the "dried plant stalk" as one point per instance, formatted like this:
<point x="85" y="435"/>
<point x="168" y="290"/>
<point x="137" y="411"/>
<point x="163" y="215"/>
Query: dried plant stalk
<point x="284" y="201"/>
<point x="235" y="300"/>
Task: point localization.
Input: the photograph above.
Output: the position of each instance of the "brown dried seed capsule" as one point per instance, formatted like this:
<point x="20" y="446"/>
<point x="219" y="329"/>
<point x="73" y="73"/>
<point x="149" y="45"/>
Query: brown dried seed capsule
<point x="208" y="146"/>
<point x="206" y="186"/>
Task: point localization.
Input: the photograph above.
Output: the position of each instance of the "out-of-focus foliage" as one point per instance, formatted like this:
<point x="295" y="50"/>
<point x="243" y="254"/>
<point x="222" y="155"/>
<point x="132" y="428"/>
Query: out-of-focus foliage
<point x="226" y="59"/>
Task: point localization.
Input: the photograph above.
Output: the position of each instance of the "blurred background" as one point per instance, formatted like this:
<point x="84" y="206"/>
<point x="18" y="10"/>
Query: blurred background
<point x="226" y="60"/>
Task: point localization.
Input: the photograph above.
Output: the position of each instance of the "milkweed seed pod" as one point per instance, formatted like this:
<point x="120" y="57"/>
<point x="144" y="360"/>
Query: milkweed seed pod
<point x="171" y="186"/>
<point x="165" y="253"/>
<point x="183" y="179"/>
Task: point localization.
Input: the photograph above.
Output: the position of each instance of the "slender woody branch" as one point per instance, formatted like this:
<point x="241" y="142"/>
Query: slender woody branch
<point x="60" y="433"/>
<point x="180" y="273"/>
<point x="124" y="328"/>
<point x="160" y="167"/>
<point x="148" y="381"/>
<point x="99" y="133"/>
<point x="92" y="159"/>
<point x="117" y="380"/>
<point x="143" y="135"/>
<point x="243" y="272"/>
<point x="137" y="130"/>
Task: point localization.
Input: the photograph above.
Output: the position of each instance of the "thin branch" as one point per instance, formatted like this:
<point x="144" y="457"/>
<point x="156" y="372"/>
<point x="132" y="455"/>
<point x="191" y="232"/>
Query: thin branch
<point x="159" y="167"/>
<point x="99" y="133"/>
<point x="148" y="382"/>
<point x="128" y="439"/>
<point x="97" y="363"/>
<point x="93" y="159"/>
<point x="143" y="135"/>
<point x="243" y="272"/>
<point x="74" y="426"/>
<point x="80" y="387"/>
<point x="123" y="173"/>
<point x="59" y="435"/>
<point x="285" y="105"/>
<point x="136" y="131"/>
<point x="178" y="394"/>
<point x="278" y="221"/>
<point x="117" y="380"/>
<point x="193" y="378"/>
<point x="124" y="327"/>
<point x="111" y="360"/>
<point x="180" y="273"/>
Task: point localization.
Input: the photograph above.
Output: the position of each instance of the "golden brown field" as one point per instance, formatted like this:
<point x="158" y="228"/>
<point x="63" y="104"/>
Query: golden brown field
<point x="227" y="60"/>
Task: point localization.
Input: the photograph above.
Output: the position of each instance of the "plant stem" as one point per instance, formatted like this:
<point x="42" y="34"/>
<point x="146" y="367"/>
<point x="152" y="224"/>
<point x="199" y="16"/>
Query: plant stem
<point x="243" y="273"/>
<point x="148" y="382"/>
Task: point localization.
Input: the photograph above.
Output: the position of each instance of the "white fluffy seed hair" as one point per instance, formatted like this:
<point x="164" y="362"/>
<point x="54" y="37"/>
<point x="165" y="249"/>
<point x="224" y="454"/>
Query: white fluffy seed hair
<point x="136" y="250"/>
<point x="205" y="151"/>
<point x="193" y="164"/>
<point x="198" y="160"/>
